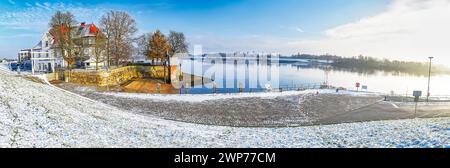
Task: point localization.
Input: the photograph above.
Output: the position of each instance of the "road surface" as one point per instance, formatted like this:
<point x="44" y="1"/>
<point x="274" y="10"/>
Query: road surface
<point x="391" y="111"/>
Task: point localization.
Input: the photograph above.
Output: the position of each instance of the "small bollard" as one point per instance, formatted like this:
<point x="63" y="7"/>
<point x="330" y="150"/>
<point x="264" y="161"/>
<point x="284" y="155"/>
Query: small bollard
<point x="182" y="87"/>
<point x="214" y="87"/>
<point x="187" y="88"/>
<point x="158" y="88"/>
<point x="241" y="87"/>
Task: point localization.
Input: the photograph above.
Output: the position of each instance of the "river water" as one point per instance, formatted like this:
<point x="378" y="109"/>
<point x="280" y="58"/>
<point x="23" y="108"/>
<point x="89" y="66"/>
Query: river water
<point x="252" y="76"/>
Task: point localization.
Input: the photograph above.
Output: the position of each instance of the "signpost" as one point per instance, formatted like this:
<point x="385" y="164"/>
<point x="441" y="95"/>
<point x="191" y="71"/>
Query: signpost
<point x="357" y="86"/>
<point x="416" y="95"/>
<point x="429" y="79"/>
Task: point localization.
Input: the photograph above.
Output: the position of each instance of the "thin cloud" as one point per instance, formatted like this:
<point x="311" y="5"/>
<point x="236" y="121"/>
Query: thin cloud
<point x="290" y="28"/>
<point x="12" y="2"/>
<point x="35" y="17"/>
<point x="299" y="30"/>
<point x="15" y="36"/>
<point x="44" y="5"/>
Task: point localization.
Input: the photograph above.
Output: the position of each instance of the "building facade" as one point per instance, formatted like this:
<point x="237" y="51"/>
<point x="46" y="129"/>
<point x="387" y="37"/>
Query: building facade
<point x="24" y="55"/>
<point x="45" y="57"/>
<point x="88" y="34"/>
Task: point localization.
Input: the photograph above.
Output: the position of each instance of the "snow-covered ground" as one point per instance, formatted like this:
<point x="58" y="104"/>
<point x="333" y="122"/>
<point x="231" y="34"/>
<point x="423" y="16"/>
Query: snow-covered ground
<point x="38" y="115"/>
<point x="5" y="67"/>
<point x="205" y="97"/>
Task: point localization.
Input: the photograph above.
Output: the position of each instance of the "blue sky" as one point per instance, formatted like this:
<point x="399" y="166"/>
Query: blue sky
<point x="284" y="26"/>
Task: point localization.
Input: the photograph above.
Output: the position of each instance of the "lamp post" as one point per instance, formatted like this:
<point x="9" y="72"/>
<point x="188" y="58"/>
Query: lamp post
<point x="169" y="70"/>
<point x="429" y="79"/>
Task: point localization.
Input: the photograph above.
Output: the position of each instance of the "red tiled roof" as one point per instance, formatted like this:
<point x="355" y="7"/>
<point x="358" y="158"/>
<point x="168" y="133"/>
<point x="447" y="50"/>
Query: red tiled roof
<point x="93" y="29"/>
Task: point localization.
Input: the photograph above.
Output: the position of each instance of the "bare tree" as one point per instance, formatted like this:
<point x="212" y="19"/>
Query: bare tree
<point x="178" y="45"/>
<point x="63" y="28"/>
<point x="178" y="42"/>
<point x="99" y="47"/>
<point x="79" y="49"/>
<point x="143" y="44"/>
<point x="106" y="26"/>
<point x="119" y="28"/>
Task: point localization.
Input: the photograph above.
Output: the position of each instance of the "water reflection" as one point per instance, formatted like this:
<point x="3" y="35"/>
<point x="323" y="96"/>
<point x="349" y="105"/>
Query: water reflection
<point x="254" y="75"/>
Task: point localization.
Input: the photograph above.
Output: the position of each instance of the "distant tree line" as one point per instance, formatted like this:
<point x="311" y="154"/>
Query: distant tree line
<point x="370" y="64"/>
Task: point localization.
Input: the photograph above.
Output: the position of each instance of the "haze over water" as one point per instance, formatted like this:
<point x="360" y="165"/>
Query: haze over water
<point x="288" y="75"/>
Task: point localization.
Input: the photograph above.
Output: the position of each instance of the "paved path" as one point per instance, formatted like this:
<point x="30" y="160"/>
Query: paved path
<point x="270" y="112"/>
<point x="240" y="112"/>
<point x="391" y="111"/>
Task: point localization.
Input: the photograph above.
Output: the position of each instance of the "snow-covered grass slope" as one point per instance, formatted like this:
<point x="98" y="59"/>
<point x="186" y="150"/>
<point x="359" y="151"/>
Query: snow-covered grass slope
<point x="37" y="115"/>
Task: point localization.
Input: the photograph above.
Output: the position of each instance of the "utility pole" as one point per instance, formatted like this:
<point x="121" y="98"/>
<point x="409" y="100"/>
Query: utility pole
<point x="169" y="70"/>
<point x="32" y="61"/>
<point x="429" y="79"/>
<point x="327" y="73"/>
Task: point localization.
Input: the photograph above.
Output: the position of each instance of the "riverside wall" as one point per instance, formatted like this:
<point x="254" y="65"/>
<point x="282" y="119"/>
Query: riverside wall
<point x="118" y="76"/>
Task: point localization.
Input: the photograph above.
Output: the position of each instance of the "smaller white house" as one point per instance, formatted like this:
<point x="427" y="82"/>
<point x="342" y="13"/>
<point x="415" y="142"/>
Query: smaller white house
<point x="43" y="57"/>
<point x="24" y="55"/>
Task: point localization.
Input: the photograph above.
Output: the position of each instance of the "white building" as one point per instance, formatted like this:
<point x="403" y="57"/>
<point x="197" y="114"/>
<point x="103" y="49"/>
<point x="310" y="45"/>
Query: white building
<point x="45" y="57"/>
<point x="24" y="55"/>
<point x="88" y="33"/>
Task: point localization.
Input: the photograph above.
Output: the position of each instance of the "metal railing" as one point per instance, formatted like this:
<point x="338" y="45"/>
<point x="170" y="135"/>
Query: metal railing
<point x="410" y="98"/>
<point x="205" y="90"/>
<point x="298" y="87"/>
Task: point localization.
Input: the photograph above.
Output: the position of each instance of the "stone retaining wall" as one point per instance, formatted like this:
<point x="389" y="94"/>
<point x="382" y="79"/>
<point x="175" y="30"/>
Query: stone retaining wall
<point x="118" y="76"/>
<point x="53" y="76"/>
